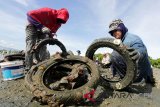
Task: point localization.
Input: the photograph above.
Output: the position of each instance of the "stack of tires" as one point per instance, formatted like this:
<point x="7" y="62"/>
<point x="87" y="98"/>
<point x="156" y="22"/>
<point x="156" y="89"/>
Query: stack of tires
<point x="49" y="71"/>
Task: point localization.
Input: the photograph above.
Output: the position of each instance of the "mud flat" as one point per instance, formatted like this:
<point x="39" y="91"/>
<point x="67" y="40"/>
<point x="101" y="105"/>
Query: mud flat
<point x="14" y="93"/>
<point x="142" y="95"/>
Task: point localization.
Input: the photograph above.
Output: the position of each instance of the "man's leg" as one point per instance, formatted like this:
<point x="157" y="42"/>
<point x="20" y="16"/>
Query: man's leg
<point x="118" y="65"/>
<point x="150" y="79"/>
<point x="31" y="36"/>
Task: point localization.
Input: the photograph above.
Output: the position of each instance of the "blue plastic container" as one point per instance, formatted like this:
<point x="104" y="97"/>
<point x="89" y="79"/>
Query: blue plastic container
<point x="12" y="70"/>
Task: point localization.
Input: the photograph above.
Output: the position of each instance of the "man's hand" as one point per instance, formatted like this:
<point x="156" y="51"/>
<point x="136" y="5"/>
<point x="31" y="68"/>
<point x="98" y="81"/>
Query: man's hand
<point x="53" y="35"/>
<point x="135" y="55"/>
<point x="46" y="30"/>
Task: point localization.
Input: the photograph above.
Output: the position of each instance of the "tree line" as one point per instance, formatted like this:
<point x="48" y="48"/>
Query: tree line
<point x="154" y="62"/>
<point x="7" y="52"/>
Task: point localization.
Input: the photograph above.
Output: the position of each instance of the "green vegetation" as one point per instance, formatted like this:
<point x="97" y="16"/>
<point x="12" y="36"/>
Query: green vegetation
<point x="6" y="52"/>
<point x="155" y="62"/>
<point x="99" y="56"/>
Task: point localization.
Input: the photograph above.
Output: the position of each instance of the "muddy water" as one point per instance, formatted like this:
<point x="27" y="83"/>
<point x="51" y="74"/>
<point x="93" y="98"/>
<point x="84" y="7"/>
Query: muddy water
<point x="15" y="94"/>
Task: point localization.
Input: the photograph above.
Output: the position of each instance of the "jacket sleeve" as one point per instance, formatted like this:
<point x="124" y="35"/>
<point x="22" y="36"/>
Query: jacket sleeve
<point x="55" y="28"/>
<point x="140" y="47"/>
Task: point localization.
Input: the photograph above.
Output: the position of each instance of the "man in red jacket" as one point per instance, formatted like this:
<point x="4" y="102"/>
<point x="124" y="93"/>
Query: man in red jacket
<point x="40" y="22"/>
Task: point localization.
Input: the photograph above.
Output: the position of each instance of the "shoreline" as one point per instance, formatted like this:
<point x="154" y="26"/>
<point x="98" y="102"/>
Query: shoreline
<point x="14" y="93"/>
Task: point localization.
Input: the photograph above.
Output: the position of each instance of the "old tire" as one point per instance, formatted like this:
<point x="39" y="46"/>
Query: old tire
<point x="13" y="57"/>
<point x="121" y="49"/>
<point x="29" y="76"/>
<point x="49" y="41"/>
<point x="41" y="91"/>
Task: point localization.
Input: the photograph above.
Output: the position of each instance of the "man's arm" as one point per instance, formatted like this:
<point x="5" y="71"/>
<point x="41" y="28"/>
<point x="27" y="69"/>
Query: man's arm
<point x="140" y="48"/>
<point x="55" y="28"/>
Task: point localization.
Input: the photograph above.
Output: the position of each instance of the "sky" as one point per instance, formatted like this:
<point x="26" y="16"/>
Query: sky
<point x="89" y="20"/>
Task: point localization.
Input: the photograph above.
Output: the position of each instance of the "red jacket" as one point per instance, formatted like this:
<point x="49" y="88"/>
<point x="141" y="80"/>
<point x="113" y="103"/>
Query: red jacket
<point x="48" y="17"/>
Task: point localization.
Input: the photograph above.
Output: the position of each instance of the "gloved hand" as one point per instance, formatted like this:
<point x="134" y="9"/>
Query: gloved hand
<point x="134" y="54"/>
<point x="46" y="30"/>
<point x="51" y="35"/>
<point x="54" y="35"/>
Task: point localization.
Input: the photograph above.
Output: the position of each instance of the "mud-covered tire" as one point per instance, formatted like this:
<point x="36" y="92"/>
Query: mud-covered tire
<point x="2" y="61"/>
<point x="49" y="41"/>
<point x="70" y="52"/>
<point x="121" y="49"/>
<point x="30" y="75"/>
<point x="13" y="57"/>
<point x="42" y="92"/>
